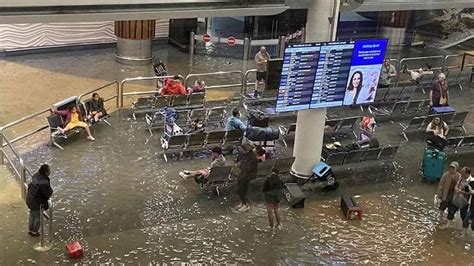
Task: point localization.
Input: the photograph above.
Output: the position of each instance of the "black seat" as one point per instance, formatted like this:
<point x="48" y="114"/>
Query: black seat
<point x="200" y="113"/>
<point x="388" y="152"/>
<point x="182" y="117"/>
<point x="172" y="144"/>
<point x="216" y="137"/>
<point x="216" y="115"/>
<point x="196" y="140"/>
<point x="335" y="159"/>
<point x="467" y="141"/>
<point x="283" y="165"/>
<point x="219" y="177"/>
<point x="371" y="155"/>
<point x="416" y="123"/>
<point x="179" y="101"/>
<point x="234" y="136"/>
<point x="196" y="100"/>
<point x="348" y="124"/>
<point x="458" y="120"/>
<point x="142" y="105"/>
<point x="453" y="142"/>
<point x="354" y="156"/>
<point x="265" y="168"/>
<point x="161" y="101"/>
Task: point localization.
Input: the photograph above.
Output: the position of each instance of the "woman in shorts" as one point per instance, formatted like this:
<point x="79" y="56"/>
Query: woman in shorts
<point x="272" y="192"/>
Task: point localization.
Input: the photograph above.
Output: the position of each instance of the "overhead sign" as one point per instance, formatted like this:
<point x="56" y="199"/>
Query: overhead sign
<point x="206" y="37"/>
<point x="231" y="40"/>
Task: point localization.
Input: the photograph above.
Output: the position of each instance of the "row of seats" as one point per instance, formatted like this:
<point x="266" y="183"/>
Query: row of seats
<point x="56" y="122"/>
<point x="360" y="156"/>
<point x="153" y="103"/>
<point x="220" y="177"/>
<point x="197" y="141"/>
<point x="213" y="115"/>
<point x="456" y="143"/>
<point x="411" y="107"/>
<point x="454" y="120"/>
<point x="338" y="125"/>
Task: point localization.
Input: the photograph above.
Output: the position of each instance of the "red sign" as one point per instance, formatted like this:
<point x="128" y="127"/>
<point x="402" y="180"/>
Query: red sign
<point x="206" y="37"/>
<point x="231" y="40"/>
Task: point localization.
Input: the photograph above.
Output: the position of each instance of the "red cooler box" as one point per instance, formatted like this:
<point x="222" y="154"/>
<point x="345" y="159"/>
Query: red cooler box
<point x="74" y="250"/>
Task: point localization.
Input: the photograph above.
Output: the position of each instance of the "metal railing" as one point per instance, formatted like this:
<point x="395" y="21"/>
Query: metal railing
<point x="240" y="75"/>
<point x="122" y="92"/>
<point x="245" y="83"/>
<point x="115" y="96"/>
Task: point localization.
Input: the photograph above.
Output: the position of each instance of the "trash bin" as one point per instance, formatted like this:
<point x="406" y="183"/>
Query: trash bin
<point x="294" y="195"/>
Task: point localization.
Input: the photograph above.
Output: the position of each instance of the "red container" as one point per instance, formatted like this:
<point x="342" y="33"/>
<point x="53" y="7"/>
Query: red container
<point x="74" y="250"/>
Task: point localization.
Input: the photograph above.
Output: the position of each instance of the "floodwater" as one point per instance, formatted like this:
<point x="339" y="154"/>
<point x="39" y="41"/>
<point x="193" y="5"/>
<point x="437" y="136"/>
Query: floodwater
<point x="126" y="205"/>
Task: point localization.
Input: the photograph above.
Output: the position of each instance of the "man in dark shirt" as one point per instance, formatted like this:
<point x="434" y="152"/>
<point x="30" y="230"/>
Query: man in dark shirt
<point x="248" y="171"/>
<point x="39" y="192"/>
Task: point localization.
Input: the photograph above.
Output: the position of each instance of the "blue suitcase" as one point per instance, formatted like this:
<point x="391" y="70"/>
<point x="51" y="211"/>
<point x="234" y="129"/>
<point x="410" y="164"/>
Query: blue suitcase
<point x="433" y="164"/>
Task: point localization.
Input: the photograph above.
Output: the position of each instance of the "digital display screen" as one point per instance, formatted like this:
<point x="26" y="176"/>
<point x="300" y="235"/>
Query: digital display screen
<point x="318" y="75"/>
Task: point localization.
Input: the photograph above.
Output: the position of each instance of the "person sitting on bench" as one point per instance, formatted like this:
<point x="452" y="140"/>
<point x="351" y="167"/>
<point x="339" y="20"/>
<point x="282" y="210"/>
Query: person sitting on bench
<point x="438" y="130"/>
<point x="173" y="87"/>
<point x="367" y="128"/>
<point x="417" y="74"/>
<point x="73" y="120"/>
<point x="97" y="108"/>
<point x="234" y="122"/>
<point x="199" y="86"/>
<point x="197" y="126"/>
<point x="200" y="176"/>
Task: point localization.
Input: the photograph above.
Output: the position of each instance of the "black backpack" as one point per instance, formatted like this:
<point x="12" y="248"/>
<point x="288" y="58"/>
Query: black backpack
<point x="257" y="119"/>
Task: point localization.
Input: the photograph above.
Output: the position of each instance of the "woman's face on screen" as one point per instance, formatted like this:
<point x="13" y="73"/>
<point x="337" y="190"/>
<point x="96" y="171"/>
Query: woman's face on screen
<point x="356" y="80"/>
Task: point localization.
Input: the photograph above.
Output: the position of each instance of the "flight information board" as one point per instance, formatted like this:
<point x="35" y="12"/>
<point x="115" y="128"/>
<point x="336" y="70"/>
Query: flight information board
<point x="317" y="75"/>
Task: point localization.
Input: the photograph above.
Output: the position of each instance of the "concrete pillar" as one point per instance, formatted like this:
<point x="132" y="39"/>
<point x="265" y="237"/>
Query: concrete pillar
<point x="310" y="123"/>
<point x="134" y="40"/>
<point x="394" y="26"/>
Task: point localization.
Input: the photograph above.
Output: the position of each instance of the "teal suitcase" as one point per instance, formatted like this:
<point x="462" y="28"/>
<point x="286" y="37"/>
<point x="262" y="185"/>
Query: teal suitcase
<point x="433" y="164"/>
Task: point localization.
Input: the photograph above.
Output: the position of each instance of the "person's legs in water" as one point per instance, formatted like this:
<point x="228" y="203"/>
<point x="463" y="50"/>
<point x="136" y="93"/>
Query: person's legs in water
<point x="452" y="209"/>
<point x="270" y="215"/>
<point x="277" y="216"/>
<point x="34" y="223"/>
<point x="242" y="191"/>
<point x="442" y="208"/>
<point x="88" y="131"/>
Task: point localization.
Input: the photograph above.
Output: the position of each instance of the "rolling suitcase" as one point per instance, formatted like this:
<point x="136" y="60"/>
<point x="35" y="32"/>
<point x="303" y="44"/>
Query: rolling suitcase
<point x="433" y="164"/>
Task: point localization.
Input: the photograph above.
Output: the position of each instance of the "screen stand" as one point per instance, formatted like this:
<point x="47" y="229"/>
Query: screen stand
<point x="308" y="141"/>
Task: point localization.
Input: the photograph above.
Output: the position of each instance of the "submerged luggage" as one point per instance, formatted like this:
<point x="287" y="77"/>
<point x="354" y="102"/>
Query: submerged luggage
<point x="257" y="119"/>
<point x="433" y="164"/>
<point x="262" y="133"/>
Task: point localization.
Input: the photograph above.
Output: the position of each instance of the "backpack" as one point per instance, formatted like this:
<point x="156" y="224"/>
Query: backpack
<point x="170" y="114"/>
<point x="257" y="119"/>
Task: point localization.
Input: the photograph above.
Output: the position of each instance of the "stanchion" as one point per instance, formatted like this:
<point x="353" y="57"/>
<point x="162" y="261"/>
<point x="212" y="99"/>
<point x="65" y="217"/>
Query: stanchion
<point x="23" y="179"/>
<point x="191" y="46"/>
<point x="281" y="46"/>
<point x="246" y="49"/>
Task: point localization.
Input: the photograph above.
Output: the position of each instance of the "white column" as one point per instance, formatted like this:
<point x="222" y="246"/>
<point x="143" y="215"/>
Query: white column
<point x="310" y="123"/>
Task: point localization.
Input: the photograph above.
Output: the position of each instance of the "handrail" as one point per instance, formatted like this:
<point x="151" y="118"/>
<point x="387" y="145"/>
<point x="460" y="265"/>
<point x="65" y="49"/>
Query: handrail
<point x="423" y="57"/>
<point x="103" y="87"/>
<point x="23" y="119"/>
<point x="186" y="81"/>
<point x="122" y="83"/>
<point x="26" y="135"/>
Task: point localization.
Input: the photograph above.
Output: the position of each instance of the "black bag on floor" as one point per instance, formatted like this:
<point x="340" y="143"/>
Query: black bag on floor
<point x="262" y="133"/>
<point x="257" y="119"/>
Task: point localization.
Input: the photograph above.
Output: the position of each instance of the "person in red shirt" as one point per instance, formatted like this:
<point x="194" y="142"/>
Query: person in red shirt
<point x="173" y="87"/>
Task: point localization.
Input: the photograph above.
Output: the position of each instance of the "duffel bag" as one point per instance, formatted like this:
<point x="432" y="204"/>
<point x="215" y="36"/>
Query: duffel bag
<point x="262" y="133"/>
<point x="257" y="119"/>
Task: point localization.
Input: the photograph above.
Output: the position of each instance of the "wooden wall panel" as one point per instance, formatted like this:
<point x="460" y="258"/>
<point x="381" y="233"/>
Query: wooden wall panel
<point x="135" y="29"/>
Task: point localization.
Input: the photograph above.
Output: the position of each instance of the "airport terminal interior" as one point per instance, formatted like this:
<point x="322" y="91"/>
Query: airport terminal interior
<point x="360" y="175"/>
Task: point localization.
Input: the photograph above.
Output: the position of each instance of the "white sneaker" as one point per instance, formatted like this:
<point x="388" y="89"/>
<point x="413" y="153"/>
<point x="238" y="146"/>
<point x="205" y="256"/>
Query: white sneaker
<point x="90" y="138"/>
<point x="182" y="175"/>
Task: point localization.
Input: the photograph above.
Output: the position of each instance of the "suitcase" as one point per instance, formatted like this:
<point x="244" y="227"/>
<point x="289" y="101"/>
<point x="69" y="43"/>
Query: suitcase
<point x="433" y="164"/>
<point x="294" y="195"/>
<point x="74" y="250"/>
<point x="350" y="208"/>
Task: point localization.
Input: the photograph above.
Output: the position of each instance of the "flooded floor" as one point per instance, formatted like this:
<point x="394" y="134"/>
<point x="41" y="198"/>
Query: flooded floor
<point x="126" y="205"/>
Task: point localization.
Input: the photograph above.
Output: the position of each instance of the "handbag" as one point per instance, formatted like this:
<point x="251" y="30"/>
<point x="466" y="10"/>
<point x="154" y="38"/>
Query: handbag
<point x="443" y="100"/>
<point x="460" y="201"/>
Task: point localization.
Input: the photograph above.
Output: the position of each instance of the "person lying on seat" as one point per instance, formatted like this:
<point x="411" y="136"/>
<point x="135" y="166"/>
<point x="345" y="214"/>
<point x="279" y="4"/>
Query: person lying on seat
<point x="417" y="74"/>
<point x="73" y="119"/>
<point x="173" y="87"/>
<point x="97" y="108"/>
<point x="200" y="176"/>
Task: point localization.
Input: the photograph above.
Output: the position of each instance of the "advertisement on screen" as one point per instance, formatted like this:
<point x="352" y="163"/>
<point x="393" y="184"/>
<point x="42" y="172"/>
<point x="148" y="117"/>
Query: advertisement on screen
<point x="364" y="74"/>
<point x="330" y="74"/>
